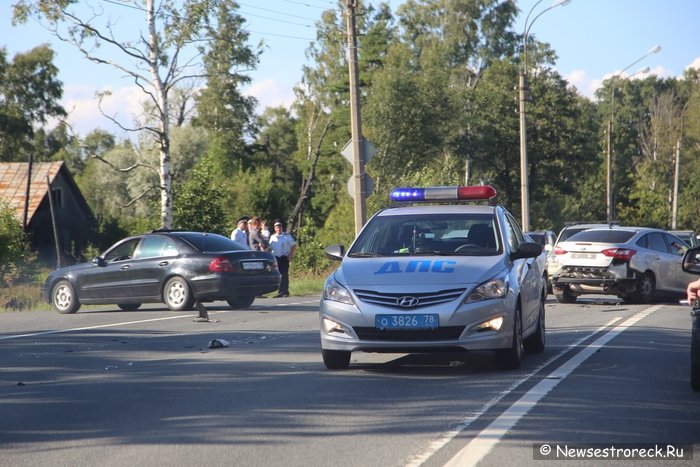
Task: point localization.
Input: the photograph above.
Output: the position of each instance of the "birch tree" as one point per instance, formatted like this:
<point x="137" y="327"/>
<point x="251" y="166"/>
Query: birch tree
<point x="164" y="52"/>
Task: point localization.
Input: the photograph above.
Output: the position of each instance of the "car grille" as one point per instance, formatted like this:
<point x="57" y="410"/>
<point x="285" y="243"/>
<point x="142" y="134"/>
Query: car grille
<point x="585" y="272"/>
<point x="438" y="334"/>
<point x="392" y="300"/>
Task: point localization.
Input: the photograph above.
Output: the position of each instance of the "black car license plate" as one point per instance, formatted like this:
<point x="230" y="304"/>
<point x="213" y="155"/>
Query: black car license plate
<point x="253" y="265"/>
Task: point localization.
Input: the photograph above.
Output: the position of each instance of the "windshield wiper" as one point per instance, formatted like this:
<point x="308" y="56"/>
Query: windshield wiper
<point x="433" y="253"/>
<point x="364" y="254"/>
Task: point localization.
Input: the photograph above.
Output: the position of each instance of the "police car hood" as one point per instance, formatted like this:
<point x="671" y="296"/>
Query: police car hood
<point x="419" y="271"/>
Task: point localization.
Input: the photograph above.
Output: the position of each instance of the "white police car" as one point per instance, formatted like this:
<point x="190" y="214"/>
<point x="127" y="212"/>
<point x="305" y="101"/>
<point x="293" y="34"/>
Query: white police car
<point x="435" y="278"/>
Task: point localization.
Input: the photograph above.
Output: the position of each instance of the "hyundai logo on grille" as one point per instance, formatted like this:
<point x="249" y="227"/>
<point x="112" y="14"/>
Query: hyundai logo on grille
<point x="407" y="302"/>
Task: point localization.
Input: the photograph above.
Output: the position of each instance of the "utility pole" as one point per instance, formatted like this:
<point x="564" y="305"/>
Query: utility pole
<point x="674" y="213"/>
<point x="524" y="184"/>
<point x="358" y="165"/>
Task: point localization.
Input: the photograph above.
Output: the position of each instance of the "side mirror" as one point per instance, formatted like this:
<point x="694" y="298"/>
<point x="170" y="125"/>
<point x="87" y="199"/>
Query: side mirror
<point x="691" y="261"/>
<point x="527" y="250"/>
<point x="99" y="261"/>
<point x="335" y="252"/>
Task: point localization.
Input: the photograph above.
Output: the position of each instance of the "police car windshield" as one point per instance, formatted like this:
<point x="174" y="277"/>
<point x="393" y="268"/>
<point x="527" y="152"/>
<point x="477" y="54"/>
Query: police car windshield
<point x="433" y="234"/>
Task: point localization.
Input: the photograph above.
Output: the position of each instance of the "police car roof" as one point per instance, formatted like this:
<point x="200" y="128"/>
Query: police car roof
<point x="424" y="209"/>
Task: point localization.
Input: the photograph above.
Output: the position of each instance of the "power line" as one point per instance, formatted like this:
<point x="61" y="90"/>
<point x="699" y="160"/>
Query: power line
<point x="312" y="6"/>
<point x="305" y="25"/>
<point x="275" y="11"/>
<point x="279" y="20"/>
<point x="280" y="35"/>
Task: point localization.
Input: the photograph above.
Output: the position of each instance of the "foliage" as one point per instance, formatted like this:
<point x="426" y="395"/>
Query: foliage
<point x="13" y="246"/>
<point x="29" y="95"/>
<point x="438" y="101"/>
<point x="199" y="202"/>
<point x="309" y="256"/>
<point x="179" y="32"/>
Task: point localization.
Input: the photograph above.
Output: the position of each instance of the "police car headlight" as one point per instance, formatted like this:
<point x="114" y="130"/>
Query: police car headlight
<point x="490" y="325"/>
<point x="496" y="288"/>
<point x="336" y="329"/>
<point x="335" y="292"/>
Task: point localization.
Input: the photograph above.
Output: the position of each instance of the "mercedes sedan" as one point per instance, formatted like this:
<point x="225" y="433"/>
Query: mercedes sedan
<point x="172" y="267"/>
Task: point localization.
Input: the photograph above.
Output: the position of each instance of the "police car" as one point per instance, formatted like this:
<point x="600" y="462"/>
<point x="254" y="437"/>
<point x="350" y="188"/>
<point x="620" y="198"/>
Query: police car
<point x="435" y="274"/>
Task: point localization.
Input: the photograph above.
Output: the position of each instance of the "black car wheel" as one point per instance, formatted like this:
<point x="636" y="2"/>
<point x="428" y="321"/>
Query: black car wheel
<point x="536" y="342"/>
<point x="177" y="294"/>
<point x="646" y="287"/>
<point x="336" y="359"/>
<point x="563" y="294"/>
<point x="511" y="357"/>
<point x="64" y="298"/>
<point x="243" y="301"/>
<point x="129" y="306"/>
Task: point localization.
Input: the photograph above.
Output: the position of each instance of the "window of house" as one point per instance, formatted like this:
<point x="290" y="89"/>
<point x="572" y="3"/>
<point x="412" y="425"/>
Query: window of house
<point x="57" y="194"/>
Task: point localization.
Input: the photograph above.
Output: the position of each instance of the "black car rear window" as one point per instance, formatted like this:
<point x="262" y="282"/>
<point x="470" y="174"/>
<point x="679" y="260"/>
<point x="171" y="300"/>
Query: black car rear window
<point x="210" y="242"/>
<point x="602" y="236"/>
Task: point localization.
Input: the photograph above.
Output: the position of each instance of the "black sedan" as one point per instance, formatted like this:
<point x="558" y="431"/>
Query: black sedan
<point x="172" y="267"/>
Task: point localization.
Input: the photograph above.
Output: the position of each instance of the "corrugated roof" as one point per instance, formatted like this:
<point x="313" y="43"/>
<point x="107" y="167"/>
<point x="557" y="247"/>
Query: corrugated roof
<point x="13" y="184"/>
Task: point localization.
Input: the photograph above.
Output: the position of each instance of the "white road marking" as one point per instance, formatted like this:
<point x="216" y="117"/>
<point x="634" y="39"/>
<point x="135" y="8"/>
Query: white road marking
<point x="126" y="323"/>
<point x="482" y="444"/>
<point x="439" y="443"/>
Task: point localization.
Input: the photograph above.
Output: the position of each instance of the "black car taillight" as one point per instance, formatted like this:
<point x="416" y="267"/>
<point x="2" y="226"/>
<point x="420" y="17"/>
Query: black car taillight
<point x="221" y="264"/>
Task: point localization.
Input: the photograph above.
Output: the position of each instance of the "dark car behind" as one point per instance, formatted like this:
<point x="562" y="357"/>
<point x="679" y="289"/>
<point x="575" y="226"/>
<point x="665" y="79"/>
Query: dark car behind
<point x="172" y="267"/>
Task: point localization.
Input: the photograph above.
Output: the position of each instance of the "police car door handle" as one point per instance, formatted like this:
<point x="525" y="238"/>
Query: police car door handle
<point x="163" y="263"/>
<point x="125" y="267"/>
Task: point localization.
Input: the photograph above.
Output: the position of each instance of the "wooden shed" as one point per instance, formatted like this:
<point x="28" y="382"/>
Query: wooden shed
<point x="26" y="188"/>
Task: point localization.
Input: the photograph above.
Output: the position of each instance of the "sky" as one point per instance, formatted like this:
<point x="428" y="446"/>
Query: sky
<point x="594" y="40"/>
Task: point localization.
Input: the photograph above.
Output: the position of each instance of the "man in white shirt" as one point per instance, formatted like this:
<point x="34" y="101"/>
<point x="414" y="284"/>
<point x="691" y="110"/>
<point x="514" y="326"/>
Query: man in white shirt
<point x="283" y="246"/>
<point x="240" y="233"/>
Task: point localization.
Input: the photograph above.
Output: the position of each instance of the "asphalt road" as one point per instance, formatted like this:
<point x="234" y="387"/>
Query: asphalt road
<point x="112" y="388"/>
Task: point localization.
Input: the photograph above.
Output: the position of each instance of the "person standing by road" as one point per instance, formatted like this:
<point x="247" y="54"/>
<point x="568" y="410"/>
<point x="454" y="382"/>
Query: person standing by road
<point x="255" y="241"/>
<point x="283" y="246"/>
<point x="264" y="231"/>
<point x="240" y="233"/>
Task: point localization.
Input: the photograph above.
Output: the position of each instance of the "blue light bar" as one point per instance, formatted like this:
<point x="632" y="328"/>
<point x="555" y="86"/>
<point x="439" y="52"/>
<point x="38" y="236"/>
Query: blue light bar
<point x="443" y="193"/>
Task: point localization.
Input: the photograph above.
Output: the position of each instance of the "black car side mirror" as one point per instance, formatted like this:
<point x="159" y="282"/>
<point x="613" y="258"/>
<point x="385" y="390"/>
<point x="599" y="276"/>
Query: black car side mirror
<point x="691" y="261"/>
<point x="527" y="250"/>
<point x="99" y="261"/>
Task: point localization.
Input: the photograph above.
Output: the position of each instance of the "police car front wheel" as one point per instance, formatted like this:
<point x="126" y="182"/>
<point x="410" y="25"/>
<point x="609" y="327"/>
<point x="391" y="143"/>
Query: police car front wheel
<point x="336" y="359"/>
<point x="510" y="358"/>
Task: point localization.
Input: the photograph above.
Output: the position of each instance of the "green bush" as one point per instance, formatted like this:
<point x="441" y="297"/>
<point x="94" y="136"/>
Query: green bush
<point x="14" y="246"/>
<point x="309" y="257"/>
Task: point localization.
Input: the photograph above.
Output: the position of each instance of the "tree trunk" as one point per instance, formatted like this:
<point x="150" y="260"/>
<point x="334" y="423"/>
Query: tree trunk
<point x="308" y="180"/>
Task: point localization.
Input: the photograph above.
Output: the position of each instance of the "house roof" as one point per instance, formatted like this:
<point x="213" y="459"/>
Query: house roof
<point x="13" y="184"/>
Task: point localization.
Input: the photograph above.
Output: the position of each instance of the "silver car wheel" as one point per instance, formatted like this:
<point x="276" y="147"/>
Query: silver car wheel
<point x="177" y="294"/>
<point x="64" y="298"/>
